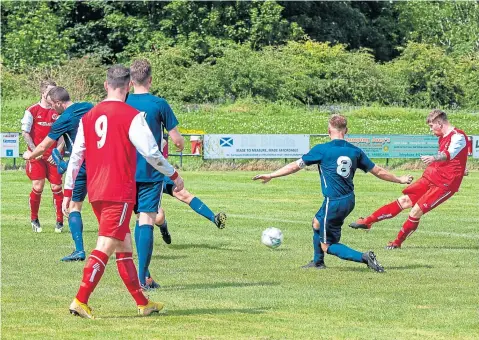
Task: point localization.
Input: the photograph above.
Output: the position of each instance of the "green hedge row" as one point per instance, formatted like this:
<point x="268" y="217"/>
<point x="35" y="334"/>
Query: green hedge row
<point x="423" y="76"/>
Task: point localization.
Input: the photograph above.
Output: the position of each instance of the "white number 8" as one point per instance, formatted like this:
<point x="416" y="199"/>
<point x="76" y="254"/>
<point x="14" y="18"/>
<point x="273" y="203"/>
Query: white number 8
<point x="344" y="166"/>
<point x="101" y="127"/>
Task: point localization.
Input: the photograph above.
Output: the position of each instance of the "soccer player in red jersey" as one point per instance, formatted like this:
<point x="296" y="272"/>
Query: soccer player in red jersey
<point x="108" y="137"/>
<point x="36" y="124"/>
<point x="439" y="182"/>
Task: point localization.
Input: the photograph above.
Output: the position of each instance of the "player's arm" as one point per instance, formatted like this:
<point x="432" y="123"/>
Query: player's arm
<point x="27" y="123"/>
<point x="76" y="160"/>
<point x="458" y="142"/>
<point x="286" y="170"/>
<point x="177" y="138"/>
<point x="61" y="144"/>
<point x="142" y="138"/>
<point x="38" y="151"/>
<point x="385" y="175"/>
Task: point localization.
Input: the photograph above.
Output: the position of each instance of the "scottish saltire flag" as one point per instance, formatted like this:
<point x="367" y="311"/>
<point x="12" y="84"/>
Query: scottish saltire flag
<point x="226" y="142"/>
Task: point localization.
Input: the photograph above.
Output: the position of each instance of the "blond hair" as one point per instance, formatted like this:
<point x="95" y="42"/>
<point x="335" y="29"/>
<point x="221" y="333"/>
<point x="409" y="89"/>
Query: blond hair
<point x="140" y="71"/>
<point x="435" y="115"/>
<point x="338" y="122"/>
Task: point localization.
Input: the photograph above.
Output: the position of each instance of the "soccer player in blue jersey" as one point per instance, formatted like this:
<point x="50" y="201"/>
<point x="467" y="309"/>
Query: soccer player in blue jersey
<point x="160" y="117"/>
<point x="337" y="162"/>
<point x="67" y="126"/>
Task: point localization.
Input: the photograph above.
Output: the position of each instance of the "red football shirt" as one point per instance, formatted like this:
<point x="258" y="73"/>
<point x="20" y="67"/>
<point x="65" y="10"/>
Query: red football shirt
<point x="449" y="174"/>
<point x="37" y="121"/>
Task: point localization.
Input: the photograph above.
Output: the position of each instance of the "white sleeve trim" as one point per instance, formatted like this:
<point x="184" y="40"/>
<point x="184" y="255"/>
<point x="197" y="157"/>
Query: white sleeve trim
<point x="27" y="121"/>
<point x="301" y="163"/>
<point x="142" y="138"/>
<point x="76" y="158"/>
<point x="458" y="142"/>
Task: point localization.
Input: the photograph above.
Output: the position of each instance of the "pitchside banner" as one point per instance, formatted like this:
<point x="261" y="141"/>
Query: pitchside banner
<point x="255" y="146"/>
<point x="395" y="146"/>
<point x="475" y="146"/>
<point x="10" y="144"/>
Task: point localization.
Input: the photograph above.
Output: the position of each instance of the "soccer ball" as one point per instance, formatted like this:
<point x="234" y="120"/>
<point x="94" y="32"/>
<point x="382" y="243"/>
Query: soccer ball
<point x="272" y="237"/>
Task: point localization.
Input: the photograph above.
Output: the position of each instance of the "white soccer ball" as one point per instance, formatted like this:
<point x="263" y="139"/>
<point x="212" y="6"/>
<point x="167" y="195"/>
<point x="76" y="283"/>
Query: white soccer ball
<point x="272" y="237"/>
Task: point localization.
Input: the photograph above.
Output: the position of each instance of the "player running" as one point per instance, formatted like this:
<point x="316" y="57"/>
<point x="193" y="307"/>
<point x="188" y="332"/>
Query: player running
<point x="108" y="137"/>
<point x="66" y="126"/>
<point x="439" y="182"/>
<point x="36" y="124"/>
<point x="337" y="162"/>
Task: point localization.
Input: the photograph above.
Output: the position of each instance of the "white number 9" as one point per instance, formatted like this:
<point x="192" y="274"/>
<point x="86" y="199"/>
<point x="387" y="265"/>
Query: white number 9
<point x="101" y="127"/>
<point x="344" y="166"/>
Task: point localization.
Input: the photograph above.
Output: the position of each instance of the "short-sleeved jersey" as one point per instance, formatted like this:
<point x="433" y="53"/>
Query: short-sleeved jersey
<point x="449" y="174"/>
<point x="337" y="162"/>
<point x="159" y="116"/>
<point x="110" y="156"/>
<point x="67" y="124"/>
<point x="37" y="121"/>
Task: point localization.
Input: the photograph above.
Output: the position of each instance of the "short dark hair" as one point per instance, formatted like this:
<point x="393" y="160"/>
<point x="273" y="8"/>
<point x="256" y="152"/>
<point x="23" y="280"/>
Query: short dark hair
<point x="338" y="122"/>
<point x="59" y="94"/>
<point x="45" y="83"/>
<point x="140" y="71"/>
<point x="118" y="76"/>
<point x="436" y="115"/>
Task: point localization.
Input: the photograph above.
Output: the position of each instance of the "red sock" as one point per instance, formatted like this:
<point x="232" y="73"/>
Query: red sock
<point x="35" y="198"/>
<point x="129" y="275"/>
<point x="57" y="202"/>
<point x="92" y="273"/>
<point x="385" y="212"/>
<point x="407" y="229"/>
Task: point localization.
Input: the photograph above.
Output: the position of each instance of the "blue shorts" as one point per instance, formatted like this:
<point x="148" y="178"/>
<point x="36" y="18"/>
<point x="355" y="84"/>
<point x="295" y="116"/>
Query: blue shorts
<point x="168" y="186"/>
<point x="79" y="190"/>
<point x="148" y="196"/>
<point x="331" y="217"/>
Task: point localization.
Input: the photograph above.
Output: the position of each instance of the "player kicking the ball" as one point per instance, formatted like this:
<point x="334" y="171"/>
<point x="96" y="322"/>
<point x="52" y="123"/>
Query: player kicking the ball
<point x="337" y="163"/>
<point x="439" y="182"/>
<point x="108" y="137"/>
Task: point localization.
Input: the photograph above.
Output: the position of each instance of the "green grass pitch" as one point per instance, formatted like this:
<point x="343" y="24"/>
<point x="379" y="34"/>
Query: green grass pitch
<point x="224" y="284"/>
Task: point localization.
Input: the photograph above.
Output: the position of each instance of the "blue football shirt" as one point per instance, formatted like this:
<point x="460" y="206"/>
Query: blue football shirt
<point x="337" y="162"/>
<point x="159" y="116"/>
<point x="67" y="124"/>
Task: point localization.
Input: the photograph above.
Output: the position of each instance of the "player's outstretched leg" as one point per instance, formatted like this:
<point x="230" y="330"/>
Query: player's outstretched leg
<point x="58" y="159"/>
<point x="407" y="229"/>
<point x="165" y="234"/>
<point x="385" y="212"/>
<point x="345" y="253"/>
<point x="202" y="209"/>
<point x="75" y="224"/>
<point x="318" y="257"/>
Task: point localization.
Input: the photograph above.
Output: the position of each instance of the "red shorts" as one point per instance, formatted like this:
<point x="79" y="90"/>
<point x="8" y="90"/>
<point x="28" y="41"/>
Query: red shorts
<point x="426" y="194"/>
<point x="113" y="217"/>
<point x="40" y="169"/>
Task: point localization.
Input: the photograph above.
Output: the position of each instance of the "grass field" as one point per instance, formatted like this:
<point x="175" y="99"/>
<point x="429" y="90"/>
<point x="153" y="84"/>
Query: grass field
<point x="224" y="284"/>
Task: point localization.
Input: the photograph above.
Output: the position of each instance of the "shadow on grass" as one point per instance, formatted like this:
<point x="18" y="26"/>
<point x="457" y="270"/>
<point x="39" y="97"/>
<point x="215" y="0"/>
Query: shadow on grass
<point x="214" y="311"/>
<point x="386" y="268"/>
<point x="201" y="246"/>
<point x="167" y="257"/>
<point x="196" y="311"/>
<point x="219" y="285"/>
<point x="471" y="247"/>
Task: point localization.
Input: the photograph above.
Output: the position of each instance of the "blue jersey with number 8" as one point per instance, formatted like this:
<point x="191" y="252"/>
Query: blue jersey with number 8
<point x="337" y="162"/>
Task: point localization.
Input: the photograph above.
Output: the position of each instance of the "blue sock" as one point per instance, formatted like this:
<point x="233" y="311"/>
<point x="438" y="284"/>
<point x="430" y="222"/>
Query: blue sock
<point x="145" y="250"/>
<point x="76" y="228"/>
<point x="345" y="253"/>
<point x="137" y="234"/>
<point x="200" y="208"/>
<point x="318" y="252"/>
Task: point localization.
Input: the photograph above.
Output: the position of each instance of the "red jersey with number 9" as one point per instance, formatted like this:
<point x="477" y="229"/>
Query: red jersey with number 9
<point x="110" y="157"/>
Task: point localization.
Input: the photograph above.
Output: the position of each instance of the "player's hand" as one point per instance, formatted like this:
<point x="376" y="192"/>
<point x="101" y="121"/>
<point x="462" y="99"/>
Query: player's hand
<point x="50" y="160"/>
<point x="27" y="155"/>
<point x="427" y="159"/>
<point x="66" y="205"/>
<point x="179" y="184"/>
<point x="406" y="179"/>
<point x="264" y="178"/>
